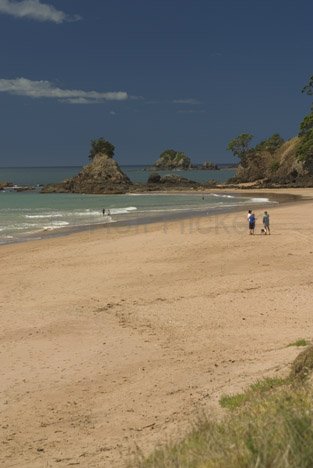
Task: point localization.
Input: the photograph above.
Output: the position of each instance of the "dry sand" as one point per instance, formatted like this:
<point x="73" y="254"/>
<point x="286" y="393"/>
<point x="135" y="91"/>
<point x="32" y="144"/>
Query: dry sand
<point x="123" y="336"/>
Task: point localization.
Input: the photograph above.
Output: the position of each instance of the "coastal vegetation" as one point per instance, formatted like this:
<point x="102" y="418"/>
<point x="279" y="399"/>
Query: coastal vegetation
<point x="271" y="144"/>
<point x="273" y="161"/>
<point x="103" y="146"/>
<point x="240" y="147"/>
<point x="305" y="147"/>
<point x="270" y="424"/>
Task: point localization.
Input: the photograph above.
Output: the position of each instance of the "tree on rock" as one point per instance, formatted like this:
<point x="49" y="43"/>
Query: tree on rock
<point x="172" y="159"/>
<point x="101" y="145"/>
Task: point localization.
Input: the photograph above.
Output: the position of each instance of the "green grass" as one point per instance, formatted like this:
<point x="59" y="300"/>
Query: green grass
<point x="270" y="426"/>
<point x="234" y="401"/>
<point x="300" y="342"/>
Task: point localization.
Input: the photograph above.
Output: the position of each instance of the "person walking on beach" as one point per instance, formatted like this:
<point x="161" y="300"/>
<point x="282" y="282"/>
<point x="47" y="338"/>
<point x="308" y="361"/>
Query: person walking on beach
<point x="103" y="211"/>
<point x="248" y="218"/>
<point x="266" y="223"/>
<point x="251" y="224"/>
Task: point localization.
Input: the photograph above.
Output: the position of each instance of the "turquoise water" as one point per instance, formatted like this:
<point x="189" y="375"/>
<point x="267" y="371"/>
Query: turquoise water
<point x="27" y="215"/>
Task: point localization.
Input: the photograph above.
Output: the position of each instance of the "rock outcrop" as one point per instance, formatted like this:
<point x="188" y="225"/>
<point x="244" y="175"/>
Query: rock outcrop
<point x="171" y="159"/>
<point x="172" y="181"/>
<point x="154" y="178"/>
<point x="4" y="185"/>
<point x="102" y="176"/>
<point x="281" y="168"/>
<point x="206" y="166"/>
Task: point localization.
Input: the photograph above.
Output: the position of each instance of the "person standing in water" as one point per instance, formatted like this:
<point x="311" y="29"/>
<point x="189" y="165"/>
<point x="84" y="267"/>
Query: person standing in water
<point x="266" y="223"/>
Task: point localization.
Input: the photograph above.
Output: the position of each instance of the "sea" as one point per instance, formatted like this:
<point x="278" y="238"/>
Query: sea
<point x="30" y="215"/>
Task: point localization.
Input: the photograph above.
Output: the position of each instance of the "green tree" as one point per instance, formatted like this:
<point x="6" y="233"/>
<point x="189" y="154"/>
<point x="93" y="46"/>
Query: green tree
<point x="306" y="125"/>
<point x="271" y="144"/>
<point x="240" y="147"/>
<point x="305" y="147"/>
<point x="308" y="89"/>
<point x="101" y="145"/>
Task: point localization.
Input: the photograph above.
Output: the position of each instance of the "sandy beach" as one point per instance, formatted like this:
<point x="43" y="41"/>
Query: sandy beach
<point x="121" y="337"/>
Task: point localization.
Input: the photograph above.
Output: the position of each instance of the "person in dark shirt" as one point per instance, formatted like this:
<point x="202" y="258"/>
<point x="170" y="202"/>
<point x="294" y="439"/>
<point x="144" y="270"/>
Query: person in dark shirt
<point x="266" y="223"/>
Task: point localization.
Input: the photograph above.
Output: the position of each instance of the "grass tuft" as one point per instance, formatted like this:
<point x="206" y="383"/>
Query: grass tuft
<point x="274" y="430"/>
<point x="300" y="342"/>
<point x="271" y="427"/>
<point x="232" y="402"/>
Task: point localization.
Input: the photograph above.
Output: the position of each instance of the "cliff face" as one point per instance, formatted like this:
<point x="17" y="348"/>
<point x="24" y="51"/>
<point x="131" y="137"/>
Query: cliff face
<point x="102" y="175"/>
<point x="280" y="168"/>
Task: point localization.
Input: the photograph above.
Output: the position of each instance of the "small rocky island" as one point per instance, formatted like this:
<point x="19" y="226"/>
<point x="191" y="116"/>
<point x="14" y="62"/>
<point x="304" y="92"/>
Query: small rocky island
<point x="102" y="175"/>
<point x="171" y="159"/>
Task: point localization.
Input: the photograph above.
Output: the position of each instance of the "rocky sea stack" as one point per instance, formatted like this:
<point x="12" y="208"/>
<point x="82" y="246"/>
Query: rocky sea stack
<point x="102" y="176"/>
<point x="172" y="159"/>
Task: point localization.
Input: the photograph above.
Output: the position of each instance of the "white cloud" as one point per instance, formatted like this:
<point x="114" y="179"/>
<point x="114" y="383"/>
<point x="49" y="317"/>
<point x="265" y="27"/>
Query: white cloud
<point x="190" y="101"/>
<point x="45" y="89"/>
<point x="35" y="10"/>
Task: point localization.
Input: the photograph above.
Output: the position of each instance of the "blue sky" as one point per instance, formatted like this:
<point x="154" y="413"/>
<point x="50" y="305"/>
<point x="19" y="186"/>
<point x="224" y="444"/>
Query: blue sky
<point x="149" y="75"/>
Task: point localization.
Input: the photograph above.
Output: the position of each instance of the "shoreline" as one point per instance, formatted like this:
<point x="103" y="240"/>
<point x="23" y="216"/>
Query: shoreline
<point x="275" y="197"/>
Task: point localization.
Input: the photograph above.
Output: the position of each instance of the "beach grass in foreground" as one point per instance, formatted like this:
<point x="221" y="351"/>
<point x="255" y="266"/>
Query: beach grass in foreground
<point x="299" y="342"/>
<point x="269" y="425"/>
